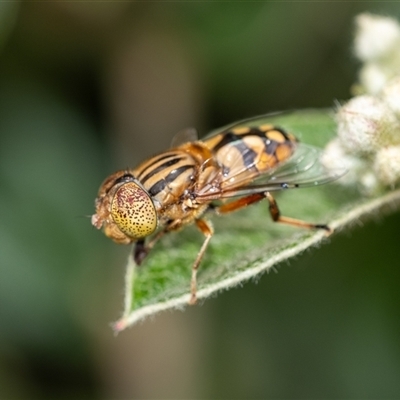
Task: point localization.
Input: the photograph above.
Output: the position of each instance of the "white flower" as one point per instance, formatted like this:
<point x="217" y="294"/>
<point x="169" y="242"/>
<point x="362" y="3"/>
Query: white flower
<point x="369" y="182"/>
<point x="336" y="157"/>
<point x="391" y="95"/>
<point x="373" y="77"/>
<point x="368" y="142"/>
<point x="387" y="165"/>
<point x="376" y="38"/>
<point x="365" y="124"/>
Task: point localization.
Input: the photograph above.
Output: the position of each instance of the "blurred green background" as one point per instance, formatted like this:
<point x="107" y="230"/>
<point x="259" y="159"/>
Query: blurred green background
<point x="86" y="88"/>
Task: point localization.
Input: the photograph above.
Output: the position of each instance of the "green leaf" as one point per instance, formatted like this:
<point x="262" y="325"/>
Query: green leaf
<point x="246" y="243"/>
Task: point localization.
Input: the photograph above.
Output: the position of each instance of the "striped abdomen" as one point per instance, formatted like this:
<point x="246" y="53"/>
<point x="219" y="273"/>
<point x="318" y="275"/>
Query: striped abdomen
<point x="244" y="153"/>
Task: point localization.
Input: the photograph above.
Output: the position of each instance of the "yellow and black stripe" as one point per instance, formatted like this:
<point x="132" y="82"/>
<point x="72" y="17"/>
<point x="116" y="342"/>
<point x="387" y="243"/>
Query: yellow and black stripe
<point x="167" y="174"/>
<point x="244" y="152"/>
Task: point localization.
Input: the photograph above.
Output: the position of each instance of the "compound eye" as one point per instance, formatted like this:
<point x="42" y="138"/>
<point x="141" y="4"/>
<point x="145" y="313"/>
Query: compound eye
<point x="133" y="211"/>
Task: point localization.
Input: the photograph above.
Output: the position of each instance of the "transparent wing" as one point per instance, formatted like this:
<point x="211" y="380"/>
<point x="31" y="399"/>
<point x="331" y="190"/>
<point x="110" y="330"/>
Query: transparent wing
<point x="302" y="169"/>
<point x="251" y="122"/>
<point x="184" y="136"/>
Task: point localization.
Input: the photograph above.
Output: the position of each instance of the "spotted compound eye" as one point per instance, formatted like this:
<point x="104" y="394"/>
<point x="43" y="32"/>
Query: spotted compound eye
<point x="133" y="211"/>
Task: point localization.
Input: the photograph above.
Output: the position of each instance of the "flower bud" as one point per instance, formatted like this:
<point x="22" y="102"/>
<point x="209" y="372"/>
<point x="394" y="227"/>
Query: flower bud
<point x="387" y="165"/>
<point x="376" y="38"/>
<point x="365" y="124"/>
<point x="335" y="156"/>
<point x="391" y="95"/>
<point x="373" y="78"/>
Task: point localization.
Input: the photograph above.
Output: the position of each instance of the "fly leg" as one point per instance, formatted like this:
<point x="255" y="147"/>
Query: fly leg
<point x="273" y="210"/>
<point x="141" y="249"/>
<point x="277" y="217"/>
<point x="235" y="205"/>
<point x="239" y="203"/>
<point x="207" y="230"/>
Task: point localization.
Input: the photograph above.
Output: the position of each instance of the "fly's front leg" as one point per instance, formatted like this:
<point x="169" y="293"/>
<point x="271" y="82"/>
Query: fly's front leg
<point x="277" y="217"/>
<point x="207" y="230"/>
<point x="141" y="249"/>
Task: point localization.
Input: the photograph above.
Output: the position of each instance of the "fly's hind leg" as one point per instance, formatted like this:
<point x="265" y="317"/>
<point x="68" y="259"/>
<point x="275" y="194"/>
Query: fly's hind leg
<point x="207" y="230"/>
<point x="277" y="217"/>
<point x="273" y="209"/>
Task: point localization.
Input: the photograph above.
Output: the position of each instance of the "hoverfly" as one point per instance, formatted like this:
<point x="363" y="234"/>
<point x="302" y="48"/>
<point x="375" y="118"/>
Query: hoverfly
<point x="243" y="163"/>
